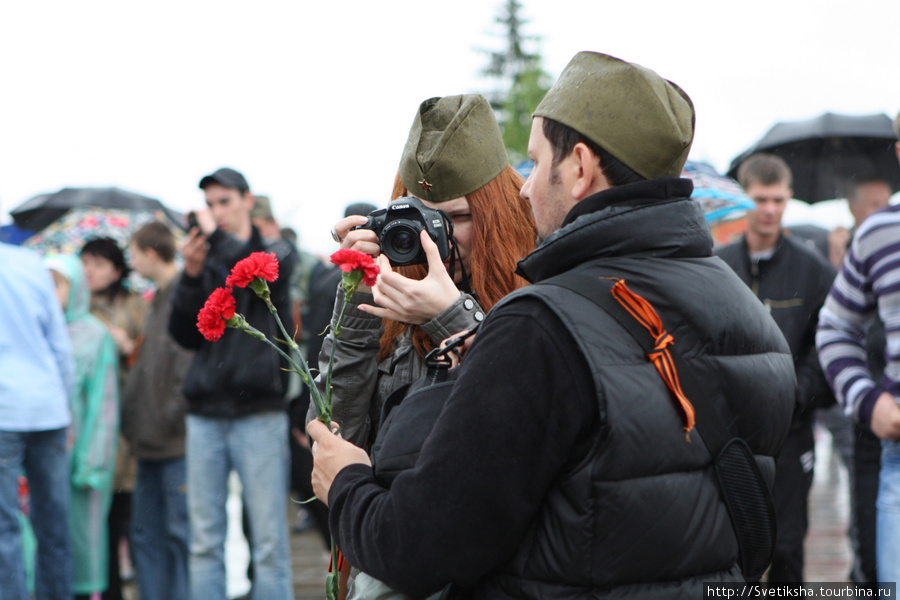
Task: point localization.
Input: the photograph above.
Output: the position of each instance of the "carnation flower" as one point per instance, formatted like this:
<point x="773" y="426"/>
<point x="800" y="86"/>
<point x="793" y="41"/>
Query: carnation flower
<point x="259" y="264"/>
<point x="253" y="272"/>
<point x="353" y="260"/>
<point x="219" y="308"/>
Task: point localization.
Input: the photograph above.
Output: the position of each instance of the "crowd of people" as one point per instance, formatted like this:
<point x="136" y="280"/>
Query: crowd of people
<point x="618" y="370"/>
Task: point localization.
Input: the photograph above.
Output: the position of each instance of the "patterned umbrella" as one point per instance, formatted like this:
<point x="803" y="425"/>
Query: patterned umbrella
<point x="78" y="225"/>
<point x="68" y="234"/>
<point x="40" y="211"/>
<point x="724" y="202"/>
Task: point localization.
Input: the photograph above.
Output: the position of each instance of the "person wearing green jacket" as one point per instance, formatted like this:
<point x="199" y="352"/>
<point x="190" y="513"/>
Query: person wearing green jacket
<point x="94" y="432"/>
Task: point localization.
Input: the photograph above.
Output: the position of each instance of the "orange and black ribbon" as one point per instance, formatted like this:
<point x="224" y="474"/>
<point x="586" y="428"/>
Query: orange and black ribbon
<point x="341" y="561"/>
<point x="660" y="356"/>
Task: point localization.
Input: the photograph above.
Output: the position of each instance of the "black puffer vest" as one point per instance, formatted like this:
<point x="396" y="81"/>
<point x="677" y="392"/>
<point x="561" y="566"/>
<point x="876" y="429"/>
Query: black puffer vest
<point x="639" y="514"/>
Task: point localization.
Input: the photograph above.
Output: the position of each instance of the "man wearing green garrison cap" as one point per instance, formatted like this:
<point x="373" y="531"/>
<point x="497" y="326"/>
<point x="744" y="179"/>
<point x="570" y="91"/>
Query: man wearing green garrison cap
<point x="566" y="462"/>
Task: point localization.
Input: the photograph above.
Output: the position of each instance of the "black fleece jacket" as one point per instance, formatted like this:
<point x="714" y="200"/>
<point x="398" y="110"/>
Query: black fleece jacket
<point x="237" y="375"/>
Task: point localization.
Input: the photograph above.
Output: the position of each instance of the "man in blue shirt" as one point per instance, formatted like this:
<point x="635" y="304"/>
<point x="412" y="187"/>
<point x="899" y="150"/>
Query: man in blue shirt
<point x="36" y="371"/>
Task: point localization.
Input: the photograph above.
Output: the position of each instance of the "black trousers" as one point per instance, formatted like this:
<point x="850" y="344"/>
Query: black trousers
<point x="793" y="480"/>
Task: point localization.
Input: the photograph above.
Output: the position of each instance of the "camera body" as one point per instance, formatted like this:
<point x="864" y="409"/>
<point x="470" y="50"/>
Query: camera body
<point x="398" y="227"/>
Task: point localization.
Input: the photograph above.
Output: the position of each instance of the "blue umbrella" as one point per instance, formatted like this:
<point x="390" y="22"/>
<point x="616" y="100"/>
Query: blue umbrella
<point x="13" y="234"/>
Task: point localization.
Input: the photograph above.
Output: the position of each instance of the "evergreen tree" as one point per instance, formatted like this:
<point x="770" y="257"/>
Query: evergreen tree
<point x="521" y="81"/>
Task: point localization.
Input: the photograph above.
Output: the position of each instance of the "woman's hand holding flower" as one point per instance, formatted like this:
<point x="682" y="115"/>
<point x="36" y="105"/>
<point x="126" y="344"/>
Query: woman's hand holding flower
<point x="411" y="300"/>
<point x="361" y="240"/>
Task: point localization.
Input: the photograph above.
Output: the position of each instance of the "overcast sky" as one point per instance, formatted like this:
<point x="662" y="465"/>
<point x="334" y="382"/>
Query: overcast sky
<point x="313" y="100"/>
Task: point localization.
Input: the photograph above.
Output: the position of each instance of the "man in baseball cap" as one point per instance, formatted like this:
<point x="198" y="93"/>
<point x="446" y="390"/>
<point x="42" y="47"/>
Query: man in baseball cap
<point x="236" y="395"/>
<point x="566" y="462"/>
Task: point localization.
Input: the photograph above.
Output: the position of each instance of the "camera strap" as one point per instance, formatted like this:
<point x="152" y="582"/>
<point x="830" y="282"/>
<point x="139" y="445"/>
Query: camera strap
<point x="465" y="285"/>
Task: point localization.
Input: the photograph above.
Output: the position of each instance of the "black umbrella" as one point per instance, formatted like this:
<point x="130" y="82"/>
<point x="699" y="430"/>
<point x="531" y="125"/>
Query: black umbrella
<point x="40" y="211"/>
<point x="829" y="151"/>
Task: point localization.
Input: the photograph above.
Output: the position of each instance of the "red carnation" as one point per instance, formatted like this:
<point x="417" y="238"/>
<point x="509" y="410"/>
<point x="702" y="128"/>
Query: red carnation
<point x="353" y="260"/>
<point x="259" y="264"/>
<point x="219" y="307"/>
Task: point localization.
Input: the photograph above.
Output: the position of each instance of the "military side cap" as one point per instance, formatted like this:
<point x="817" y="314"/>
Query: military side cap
<point x="454" y="148"/>
<point x="262" y="208"/>
<point x="645" y="121"/>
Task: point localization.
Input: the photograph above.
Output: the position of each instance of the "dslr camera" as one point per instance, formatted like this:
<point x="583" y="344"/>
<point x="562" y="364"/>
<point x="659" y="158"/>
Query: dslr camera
<point x="398" y="227"/>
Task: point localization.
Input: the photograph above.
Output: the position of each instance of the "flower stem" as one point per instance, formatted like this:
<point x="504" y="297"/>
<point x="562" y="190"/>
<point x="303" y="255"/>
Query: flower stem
<point x="332" y="583"/>
<point x="302" y="369"/>
<point x="323" y="408"/>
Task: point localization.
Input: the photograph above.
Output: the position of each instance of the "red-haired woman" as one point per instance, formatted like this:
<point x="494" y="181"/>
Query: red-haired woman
<point x="454" y="161"/>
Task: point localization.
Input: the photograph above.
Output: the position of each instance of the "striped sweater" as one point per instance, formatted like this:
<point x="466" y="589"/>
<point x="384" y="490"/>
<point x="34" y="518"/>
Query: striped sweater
<point x="869" y="281"/>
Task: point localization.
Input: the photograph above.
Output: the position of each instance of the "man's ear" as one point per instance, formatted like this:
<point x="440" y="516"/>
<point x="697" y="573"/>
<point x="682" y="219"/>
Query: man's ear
<point x="250" y="199"/>
<point x="590" y="178"/>
<point x="897" y="148"/>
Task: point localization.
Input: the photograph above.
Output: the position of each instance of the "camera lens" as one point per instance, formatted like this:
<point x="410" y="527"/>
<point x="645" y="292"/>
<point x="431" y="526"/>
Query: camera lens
<point x="402" y="242"/>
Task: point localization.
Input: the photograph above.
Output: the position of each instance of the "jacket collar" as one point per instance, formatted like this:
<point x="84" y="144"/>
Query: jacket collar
<point x="653" y="218"/>
<point x="632" y="193"/>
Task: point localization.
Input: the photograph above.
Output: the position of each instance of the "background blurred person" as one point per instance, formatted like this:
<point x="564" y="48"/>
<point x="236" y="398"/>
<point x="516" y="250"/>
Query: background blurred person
<point x="792" y="280"/>
<point x="94" y="432"/>
<point x="236" y="390"/>
<point x="123" y="312"/>
<point x="864" y="197"/>
<point x="36" y="380"/>
<point x="153" y="412"/>
<point x="864" y="288"/>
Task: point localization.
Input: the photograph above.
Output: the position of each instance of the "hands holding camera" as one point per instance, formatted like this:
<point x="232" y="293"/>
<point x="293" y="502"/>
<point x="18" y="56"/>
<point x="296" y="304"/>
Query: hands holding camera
<point x="195" y="248"/>
<point x="397" y="297"/>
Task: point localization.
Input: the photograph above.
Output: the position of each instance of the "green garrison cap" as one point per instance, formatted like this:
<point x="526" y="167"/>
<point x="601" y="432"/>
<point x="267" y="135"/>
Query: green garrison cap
<point x="454" y="148"/>
<point x="645" y="121"/>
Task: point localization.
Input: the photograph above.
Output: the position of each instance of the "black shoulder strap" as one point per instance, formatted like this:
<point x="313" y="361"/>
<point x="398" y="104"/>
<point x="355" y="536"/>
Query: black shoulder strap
<point x="712" y="428"/>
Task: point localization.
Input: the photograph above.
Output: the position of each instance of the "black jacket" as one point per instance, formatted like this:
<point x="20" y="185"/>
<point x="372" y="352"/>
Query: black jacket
<point x="237" y="375"/>
<point x="559" y="467"/>
<point x="792" y="285"/>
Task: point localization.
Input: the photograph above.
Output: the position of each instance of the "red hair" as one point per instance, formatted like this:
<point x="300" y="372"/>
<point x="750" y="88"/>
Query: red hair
<point x="504" y="232"/>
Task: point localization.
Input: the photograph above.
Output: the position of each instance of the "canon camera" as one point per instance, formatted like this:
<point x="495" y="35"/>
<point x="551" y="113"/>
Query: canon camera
<point x="398" y="227"/>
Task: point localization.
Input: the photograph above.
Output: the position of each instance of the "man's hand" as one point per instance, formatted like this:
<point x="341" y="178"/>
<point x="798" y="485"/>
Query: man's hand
<point x="457" y="354"/>
<point x="123" y="342"/>
<point x="838" y="240"/>
<point x="409" y="300"/>
<point x="330" y="455"/>
<point x="886" y="418"/>
<point x="194" y="252"/>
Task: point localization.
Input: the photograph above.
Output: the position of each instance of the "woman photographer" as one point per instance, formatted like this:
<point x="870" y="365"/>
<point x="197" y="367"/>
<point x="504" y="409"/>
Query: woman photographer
<point x="454" y="161"/>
